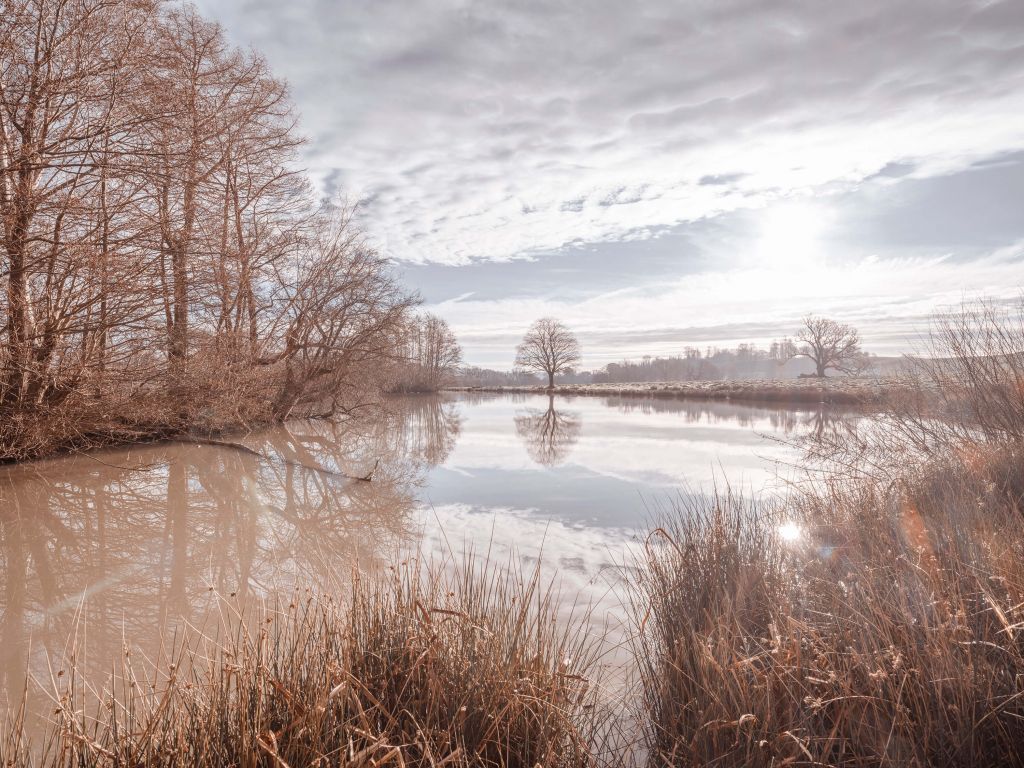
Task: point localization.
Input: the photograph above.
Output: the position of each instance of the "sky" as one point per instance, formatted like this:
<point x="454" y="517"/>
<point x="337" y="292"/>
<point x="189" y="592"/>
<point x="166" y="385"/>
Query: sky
<point x="665" y="173"/>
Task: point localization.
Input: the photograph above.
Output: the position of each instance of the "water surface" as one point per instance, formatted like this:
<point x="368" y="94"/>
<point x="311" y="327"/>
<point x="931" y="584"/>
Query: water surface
<point x="122" y="546"/>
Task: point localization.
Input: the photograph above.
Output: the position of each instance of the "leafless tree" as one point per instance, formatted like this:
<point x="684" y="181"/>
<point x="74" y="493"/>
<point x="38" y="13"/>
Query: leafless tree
<point x="66" y="69"/>
<point x="830" y="345"/>
<point x="548" y="347"/>
<point x="432" y="356"/>
<point x="163" y="264"/>
<point x="342" y="316"/>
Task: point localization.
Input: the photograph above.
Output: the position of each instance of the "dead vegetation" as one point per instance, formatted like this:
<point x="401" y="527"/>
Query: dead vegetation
<point x="873" y="619"/>
<point x="163" y="264"/>
<point x="450" y="666"/>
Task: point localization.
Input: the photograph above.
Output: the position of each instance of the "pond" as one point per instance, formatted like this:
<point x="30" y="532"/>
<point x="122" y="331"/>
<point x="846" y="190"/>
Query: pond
<point x="122" y="546"/>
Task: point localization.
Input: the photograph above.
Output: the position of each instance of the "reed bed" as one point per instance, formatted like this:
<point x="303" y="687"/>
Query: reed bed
<point x="446" y="666"/>
<point x="857" y="628"/>
<point x="875" y="618"/>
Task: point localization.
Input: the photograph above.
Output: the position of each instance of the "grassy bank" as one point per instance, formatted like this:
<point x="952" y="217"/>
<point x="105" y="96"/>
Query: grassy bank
<point x="863" y="626"/>
<point x="461" y="666"/>
<point x="834" y="391"/>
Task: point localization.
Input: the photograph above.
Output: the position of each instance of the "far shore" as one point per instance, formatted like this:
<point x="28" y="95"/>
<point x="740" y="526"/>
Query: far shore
<point x="831" y="391"/>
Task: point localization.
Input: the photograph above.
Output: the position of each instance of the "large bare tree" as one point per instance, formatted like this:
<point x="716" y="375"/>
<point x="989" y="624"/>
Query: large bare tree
<point x="548" y="347"/>
<point x="830" y="345"/>
<point x="164" y="266"/>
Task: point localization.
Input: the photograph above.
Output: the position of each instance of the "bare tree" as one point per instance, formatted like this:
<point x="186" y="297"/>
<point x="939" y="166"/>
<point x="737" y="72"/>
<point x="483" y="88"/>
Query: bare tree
<point x="342" y="315"/>
<point x="163" y="265"/>
<point x="431" y="358"/>
<point x="830" y="345"/>
<point x="67" y="68"/>
<point x="548" y="347"/>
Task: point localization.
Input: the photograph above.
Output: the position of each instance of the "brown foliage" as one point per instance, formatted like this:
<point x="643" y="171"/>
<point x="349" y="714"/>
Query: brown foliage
<point x="463" y="665"/>
<point x="164" y="267"/>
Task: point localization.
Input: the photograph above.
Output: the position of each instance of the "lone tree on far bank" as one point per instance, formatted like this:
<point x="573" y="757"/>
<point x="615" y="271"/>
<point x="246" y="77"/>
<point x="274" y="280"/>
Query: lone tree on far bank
<point x="548" y="347"/>
<point x="829" y="345"/>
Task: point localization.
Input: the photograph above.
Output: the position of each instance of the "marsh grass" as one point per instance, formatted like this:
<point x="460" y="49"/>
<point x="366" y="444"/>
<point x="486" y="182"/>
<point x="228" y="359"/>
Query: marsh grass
<point x="887" y="631"/>
<point x="427" y="666"/>
<point x="874" y="619"/>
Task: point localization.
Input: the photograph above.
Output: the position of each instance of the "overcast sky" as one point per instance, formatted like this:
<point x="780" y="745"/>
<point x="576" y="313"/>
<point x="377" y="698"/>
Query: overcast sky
<point x="667" y="173"/>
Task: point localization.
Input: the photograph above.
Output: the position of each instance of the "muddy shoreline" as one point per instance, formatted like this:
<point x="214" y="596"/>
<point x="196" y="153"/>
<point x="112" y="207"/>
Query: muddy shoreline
<point x="852" y="392"/>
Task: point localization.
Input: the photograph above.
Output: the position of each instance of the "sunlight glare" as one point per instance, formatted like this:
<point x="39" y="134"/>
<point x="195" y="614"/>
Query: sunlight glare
<point x="790" y="531"/>
<point x="790" y="235"/>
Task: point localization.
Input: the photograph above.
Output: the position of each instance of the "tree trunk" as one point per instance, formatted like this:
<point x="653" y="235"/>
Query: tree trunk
<point x="551" y="379"/>
<point x="18" y="332"/>
<point x="179" y="330"/>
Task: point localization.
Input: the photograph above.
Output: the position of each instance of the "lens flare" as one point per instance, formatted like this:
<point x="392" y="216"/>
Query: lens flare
<point x="790" y="531"/>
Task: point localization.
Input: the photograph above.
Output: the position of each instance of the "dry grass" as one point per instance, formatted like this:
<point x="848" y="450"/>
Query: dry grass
<point x="887" y="627"/>
<point x="888" y="632"/>
<point x="456" y="666"/>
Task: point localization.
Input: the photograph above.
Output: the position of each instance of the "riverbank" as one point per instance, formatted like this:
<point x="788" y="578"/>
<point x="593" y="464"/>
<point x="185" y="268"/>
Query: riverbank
<point x="822" y="630"/>
<point x="832" y="391"/>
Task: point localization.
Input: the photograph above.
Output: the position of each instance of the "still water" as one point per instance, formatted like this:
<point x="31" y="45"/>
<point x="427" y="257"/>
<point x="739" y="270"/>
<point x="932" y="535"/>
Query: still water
<point x="123" y="546"/>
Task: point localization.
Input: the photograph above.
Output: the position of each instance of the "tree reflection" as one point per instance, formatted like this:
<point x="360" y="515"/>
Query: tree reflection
<point x="814" y="424"/>
<point x="128" y="543"/>
<point x="549" y="434"/>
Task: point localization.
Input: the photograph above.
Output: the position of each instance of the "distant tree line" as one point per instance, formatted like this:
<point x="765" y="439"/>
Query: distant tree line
<point x="550" y="349"/>
<point x="429" y="358"/>
<point x="782" y="359"/>
<point x="475" y="376"/>
<point x="745" y="361"/>
<point x="163" y="264"/>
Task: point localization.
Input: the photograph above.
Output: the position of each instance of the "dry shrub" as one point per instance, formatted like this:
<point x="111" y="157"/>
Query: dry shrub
<point x="888" y="630"/>
<point x="454" y="666"/>
<point x="887" y="633"/>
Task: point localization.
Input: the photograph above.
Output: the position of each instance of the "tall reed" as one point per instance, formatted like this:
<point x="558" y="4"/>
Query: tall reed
<point x="875" y="619"/>
<point x="462" y="665"/>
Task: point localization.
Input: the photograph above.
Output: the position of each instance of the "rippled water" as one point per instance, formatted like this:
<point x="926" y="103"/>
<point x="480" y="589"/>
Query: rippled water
<point x="124" y="545"/>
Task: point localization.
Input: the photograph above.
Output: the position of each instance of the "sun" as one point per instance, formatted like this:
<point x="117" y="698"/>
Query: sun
<point x="790" y="235"/>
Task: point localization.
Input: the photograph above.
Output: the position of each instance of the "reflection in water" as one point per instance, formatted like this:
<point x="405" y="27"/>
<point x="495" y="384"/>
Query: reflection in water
<point x="777" y="418"/>
<point x="814" y="425"/>
<point x="125" y="544"/>
<point x="122" y="545"/>
<point x="549" y="434"/>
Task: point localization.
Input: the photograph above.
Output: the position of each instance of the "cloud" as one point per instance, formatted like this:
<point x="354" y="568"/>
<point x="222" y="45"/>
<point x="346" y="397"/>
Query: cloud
<point x="489" y="130"/>
<point x="889" y="299"/>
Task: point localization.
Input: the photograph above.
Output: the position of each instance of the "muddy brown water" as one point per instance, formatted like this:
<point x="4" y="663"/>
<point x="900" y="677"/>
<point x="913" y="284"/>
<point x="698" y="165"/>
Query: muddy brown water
<point x="127" y="546"/>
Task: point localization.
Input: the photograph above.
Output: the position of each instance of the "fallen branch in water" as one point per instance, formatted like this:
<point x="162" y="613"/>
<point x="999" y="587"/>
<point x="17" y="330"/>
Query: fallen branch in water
<point x="368" y="477"/>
